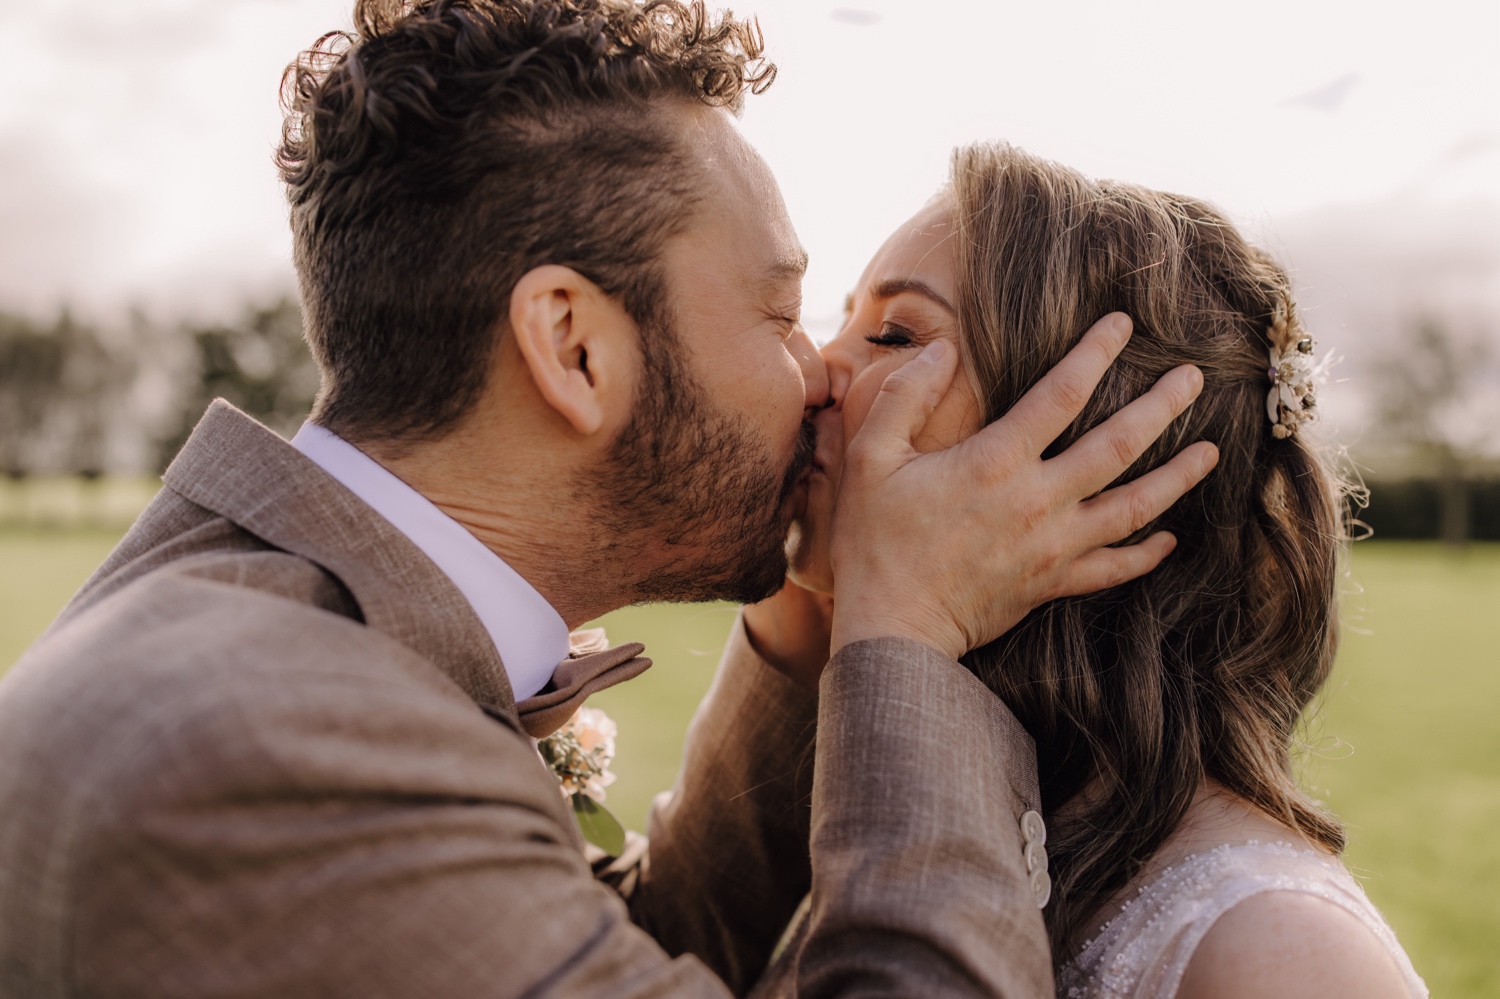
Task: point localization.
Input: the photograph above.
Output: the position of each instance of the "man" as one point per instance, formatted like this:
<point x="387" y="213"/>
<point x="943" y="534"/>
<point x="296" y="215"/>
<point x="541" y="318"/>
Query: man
<point x="281" y="743"/>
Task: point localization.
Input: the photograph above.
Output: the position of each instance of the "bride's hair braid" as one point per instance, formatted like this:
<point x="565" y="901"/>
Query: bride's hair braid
<point x="1204" y="667"/>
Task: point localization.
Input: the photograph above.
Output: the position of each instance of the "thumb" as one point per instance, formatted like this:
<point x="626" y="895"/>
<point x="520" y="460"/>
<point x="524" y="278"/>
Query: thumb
<point x="907" y="398"/>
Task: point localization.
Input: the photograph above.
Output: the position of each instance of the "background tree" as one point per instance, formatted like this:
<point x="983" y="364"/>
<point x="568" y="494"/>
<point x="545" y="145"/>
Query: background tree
<point x="92" y="390"/>
<point x="61" y="388"/>
<point x="31" y="366"/>
<point x="1434" y="396"/>
<point x="259" y="364"/>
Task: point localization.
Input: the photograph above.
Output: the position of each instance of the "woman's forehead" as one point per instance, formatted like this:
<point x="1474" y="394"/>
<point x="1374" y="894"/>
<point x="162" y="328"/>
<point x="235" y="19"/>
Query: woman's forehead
<point x="922" y="248"/>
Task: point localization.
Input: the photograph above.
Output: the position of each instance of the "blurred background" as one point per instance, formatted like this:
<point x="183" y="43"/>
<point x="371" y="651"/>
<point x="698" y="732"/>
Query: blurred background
<point x="144" y="270"/>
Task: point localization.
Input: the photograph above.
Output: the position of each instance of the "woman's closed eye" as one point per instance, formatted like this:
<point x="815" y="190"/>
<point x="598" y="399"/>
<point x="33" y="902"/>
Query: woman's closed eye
<point x="891" y="335"/>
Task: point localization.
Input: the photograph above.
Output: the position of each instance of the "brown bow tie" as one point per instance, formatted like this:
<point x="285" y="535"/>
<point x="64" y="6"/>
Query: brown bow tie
<point x="589" y="669"/>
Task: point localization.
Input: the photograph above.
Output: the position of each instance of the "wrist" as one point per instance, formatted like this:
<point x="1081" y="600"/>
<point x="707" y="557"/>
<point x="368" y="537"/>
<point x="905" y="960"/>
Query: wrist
<point x="867" y="621"/>
<point x="797" y="652"/>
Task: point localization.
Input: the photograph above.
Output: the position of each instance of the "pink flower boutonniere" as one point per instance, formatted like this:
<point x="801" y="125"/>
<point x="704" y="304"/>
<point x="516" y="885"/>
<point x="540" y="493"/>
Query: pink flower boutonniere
<point x="579" y="755"/>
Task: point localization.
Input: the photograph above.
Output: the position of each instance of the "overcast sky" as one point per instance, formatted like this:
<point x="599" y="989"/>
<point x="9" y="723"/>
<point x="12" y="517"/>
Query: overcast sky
<point x="136" y="135"/>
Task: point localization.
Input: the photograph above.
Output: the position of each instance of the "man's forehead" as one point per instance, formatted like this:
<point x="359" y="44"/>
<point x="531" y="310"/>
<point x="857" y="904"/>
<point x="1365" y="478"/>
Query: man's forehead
<point x="742" y="206"/>
<point x="714" y="134"/>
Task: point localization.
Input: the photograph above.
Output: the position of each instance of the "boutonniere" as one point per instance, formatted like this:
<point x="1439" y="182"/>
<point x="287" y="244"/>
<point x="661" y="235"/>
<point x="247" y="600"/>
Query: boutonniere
<point x="579" y="755"/>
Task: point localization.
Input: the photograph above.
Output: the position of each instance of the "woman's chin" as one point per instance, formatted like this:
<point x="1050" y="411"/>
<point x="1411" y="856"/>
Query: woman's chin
<point x="816" y="581"/>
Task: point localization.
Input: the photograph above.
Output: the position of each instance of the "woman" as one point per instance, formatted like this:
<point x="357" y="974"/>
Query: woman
<point x="1185" y="859"/>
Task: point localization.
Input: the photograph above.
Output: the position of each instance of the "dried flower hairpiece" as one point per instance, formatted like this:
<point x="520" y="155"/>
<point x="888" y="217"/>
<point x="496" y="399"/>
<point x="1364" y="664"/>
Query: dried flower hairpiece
<point x="1294" y="374"/>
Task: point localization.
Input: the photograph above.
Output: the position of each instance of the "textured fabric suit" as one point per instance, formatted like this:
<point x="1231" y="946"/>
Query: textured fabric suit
<point x="269" y="750"/>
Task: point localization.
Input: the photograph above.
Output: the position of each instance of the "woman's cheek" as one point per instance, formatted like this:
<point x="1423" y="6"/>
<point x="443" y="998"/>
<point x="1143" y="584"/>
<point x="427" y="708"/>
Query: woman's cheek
<point x="956" y="418"/>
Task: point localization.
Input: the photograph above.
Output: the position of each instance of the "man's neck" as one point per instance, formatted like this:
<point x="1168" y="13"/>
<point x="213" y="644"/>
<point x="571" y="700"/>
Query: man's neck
<point x="520" y="504"/>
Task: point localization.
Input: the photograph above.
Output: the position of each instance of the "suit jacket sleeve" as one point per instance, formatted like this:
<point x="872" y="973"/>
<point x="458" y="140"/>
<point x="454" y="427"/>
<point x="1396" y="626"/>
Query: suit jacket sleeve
<point x="921" y="887"/>
<point x="919" y="883"/>
<point x="728" y="858"/>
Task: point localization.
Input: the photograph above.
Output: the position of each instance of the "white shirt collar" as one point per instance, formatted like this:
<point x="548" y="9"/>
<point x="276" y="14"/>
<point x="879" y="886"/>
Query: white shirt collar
<point x="529" y="634"/>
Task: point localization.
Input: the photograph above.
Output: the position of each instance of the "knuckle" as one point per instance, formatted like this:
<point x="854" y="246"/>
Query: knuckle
<point x="1071" y="389"/>
<point x="1122" y="448"/>
<point x="1052" y="566"/>
<point x="1053" y="577"/>
<point x="1117" y="571"/>
<point x="1030" y="517"/>
<point x="1139" y="511"/>
<point x="1181" y="397"/>
<point x="1102" y="349"/>
<point x="900" y="382"/>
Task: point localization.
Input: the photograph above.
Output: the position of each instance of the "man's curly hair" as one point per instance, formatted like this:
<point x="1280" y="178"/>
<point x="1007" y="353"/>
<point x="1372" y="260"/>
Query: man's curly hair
<point x="444" y="148"/>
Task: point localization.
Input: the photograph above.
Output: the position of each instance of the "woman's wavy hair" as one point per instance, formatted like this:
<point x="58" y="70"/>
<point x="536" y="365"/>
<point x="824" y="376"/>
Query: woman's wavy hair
<point x="444" y="148"/>
<point x="1203" y="668"/>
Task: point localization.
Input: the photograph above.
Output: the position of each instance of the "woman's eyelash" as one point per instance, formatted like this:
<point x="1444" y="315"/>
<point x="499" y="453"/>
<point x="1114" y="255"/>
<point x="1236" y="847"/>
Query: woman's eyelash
<point x="891" y="335"/>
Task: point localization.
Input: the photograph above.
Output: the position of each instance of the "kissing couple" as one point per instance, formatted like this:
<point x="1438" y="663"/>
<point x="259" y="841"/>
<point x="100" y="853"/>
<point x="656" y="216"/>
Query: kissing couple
<point x="1038" y="561"/>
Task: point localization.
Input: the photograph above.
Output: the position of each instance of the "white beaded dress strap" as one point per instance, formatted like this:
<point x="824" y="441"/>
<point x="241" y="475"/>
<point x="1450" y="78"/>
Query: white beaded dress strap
<point x="1143" y="952"/>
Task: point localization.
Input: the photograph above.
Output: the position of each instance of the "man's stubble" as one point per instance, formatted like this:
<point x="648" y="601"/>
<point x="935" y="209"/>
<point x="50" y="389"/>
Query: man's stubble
<point x="692" y="496"/>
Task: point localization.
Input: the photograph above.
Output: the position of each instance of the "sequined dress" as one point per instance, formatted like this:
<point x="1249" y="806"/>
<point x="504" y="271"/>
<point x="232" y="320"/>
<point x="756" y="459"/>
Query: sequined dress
<point x="1143" y="952"/>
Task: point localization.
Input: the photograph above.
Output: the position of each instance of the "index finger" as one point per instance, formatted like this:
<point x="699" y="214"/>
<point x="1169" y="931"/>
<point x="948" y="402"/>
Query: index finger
<point x="1053" y="403"/>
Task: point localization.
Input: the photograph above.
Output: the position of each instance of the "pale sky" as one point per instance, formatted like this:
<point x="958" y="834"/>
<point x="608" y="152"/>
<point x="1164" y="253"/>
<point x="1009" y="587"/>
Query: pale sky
<point x="136" y="135"/>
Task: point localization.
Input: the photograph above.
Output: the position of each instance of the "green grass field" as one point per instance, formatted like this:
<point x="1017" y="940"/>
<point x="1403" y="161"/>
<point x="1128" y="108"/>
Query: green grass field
<point x="1405" y="746"/>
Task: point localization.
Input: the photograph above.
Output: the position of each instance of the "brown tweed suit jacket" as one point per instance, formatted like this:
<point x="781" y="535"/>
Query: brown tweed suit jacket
<point x="249" y="760"/>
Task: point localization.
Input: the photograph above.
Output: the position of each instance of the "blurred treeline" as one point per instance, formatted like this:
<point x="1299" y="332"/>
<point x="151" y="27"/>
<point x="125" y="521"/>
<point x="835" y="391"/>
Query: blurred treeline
<point x="82" y="401"/>
<point x="85" y="400"/>
<point x="1435" y="423"/>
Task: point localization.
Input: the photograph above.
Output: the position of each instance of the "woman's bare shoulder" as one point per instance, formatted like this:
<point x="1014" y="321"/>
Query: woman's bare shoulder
<point x="1290" y="945"/>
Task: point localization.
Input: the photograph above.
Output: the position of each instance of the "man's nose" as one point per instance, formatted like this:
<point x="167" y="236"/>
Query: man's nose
<point x="814" y="372"/>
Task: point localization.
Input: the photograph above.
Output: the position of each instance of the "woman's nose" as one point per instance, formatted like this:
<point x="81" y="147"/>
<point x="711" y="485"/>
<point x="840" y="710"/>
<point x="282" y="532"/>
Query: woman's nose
<point x="814" y="372"/>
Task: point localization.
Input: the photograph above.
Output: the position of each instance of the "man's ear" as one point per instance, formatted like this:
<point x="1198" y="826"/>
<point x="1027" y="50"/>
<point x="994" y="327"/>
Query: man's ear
<point x="575" y="341"/>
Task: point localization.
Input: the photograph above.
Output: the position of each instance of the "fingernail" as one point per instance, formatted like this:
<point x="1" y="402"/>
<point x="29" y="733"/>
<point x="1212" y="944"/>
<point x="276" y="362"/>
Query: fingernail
<point x="1210" y="457"/>
<point x="934" y="352"/>
<point x="1121" y="323"/>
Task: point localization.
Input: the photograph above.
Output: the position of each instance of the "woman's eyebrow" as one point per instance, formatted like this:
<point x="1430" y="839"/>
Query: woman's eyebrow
<point x="891" y="287"/>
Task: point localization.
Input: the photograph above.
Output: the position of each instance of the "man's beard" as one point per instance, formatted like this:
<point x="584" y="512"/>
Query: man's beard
<point x="692" y="493"/>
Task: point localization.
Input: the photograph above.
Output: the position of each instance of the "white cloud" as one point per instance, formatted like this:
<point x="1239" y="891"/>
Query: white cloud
<point x="136" y="135"/>
<point x="1178" y="95"/>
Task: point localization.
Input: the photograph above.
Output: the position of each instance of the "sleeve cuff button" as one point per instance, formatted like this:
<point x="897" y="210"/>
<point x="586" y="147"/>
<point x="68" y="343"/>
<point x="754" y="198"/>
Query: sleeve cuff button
<point x="1041" y="888"/>
<point x="1033" y="829"/>
<point x="1036" y="858"/>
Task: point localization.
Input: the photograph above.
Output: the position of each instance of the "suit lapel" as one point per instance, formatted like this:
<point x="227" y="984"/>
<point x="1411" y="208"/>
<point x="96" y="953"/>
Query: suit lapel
<point x="245" y="473"/>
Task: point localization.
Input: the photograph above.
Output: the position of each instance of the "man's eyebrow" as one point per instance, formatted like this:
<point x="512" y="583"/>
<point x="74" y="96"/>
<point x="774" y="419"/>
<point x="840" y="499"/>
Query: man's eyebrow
<point x="790" y="267"/>
<point x="891" y="287"/>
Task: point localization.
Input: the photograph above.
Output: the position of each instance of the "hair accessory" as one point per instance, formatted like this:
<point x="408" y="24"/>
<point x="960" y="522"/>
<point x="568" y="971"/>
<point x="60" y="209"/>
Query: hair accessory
<point x="1294" y="376"/>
